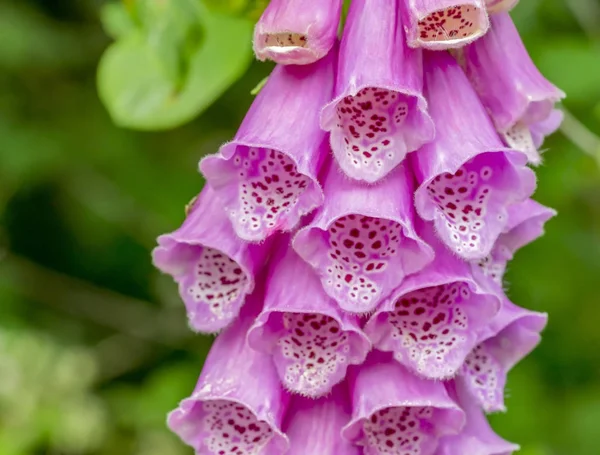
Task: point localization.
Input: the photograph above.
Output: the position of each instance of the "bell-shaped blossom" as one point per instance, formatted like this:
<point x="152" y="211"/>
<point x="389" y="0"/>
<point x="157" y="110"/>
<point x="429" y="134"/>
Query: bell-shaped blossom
<point x="297" y="31"/>
<point x="511" y="88"/>
<point x="266" y="177"/>
<point x="215" y="270"/>
<point x="432" y="320"/>
<point x="510" y="337"/>
<point x="314" y="426"/>
<point x="396" y="412"/>
<point x="526" y="222"/>
<point x="467" y="178"/>
<point x="238" y="404"/>
<point x="546" y="127"/>
<point x="499" y="6"/>
<point x="311" y="340"/>
<point x="362" y="242"/>
<point x="378" y="114"/>
<point x="477" y="437"/>
<point x="444" y="24"/>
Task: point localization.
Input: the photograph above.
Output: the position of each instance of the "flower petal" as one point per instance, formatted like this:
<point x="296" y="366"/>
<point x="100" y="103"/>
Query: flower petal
<point x="467" y="179"/>
<point x="312" y="341"/>
<point x="297" y="31"/>
<point x="379" y="113"/>
<point x="362" y="243"/>
<point x="499" y="6"/>
<point x="215" y="270"/>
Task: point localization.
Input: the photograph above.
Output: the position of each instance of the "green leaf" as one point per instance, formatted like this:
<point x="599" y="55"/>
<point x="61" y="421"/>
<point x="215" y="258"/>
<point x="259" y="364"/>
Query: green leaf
<point x="116" y="20"/>
<point x="160" y="77"/>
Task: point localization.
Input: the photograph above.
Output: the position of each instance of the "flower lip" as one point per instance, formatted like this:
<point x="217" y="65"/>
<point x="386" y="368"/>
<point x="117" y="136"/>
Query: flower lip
<point x="498" y="6"/>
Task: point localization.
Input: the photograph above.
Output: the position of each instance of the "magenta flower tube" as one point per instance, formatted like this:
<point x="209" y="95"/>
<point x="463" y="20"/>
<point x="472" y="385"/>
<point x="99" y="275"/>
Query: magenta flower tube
<point x="297" y="31"/>
<point x="266" y="177"/>
<point x="467" y="178"/>
<point x="509" y="85"/>
<point x="396" y="412"/>
<point x="444" y="24"/>
<point x="499" y="6"/>
<point x="526" y="222"/>
<point x="477" y="437"/>
<point x="238" y="404"/>
<point x="362" y="242"/>
<point x="314" y="426"/>
<point x="379" y="113"/>
<point x="540" y="130"/>
<point x="511" y="336"/>
<point x="431" y="322"/>
<point x="311" y="340"/>
<point x="215" y="270"/>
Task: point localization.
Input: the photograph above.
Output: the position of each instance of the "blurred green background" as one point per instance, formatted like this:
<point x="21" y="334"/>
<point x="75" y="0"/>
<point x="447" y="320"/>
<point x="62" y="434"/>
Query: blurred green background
<point x="94" y="347"/>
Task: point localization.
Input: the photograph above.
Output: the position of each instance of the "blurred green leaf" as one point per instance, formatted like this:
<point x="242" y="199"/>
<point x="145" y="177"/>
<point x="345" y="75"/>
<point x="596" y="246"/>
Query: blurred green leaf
<point x="116" y="20"/>
<point x="165" y="76"/>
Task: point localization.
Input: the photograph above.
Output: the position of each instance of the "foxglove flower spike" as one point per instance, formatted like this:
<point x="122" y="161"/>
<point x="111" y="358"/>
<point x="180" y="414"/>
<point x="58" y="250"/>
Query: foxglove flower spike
<point x="266" y="177"/>
<point x="215" y="270"/>
<point x="362" y="243"/>
<point x="467" y="177"/>
<point x="378" y="114"/>
<point x="297" y="31"/>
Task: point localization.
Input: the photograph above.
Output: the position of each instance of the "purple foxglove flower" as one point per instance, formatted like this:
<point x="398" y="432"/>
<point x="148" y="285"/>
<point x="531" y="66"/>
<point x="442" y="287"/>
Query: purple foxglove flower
<point x="314" y="426"/>
<point x="379" y="113"/>
<point x="396" y="412"/>
<point x="432" y="320"/>
<point x="238" y="404"/>
<point x="362" y="242"/>
<point x="525" y="224"/>
<point x="297" y="31"/>
<point x="509" y="85"/>
<point x="510" y="337"/>
<point x="546" y="127"/>
<point x="444" y="24"/>
<point x="215" y="270"/>
<point x="266" y="177"/>
<point x="467" y="178"/>
<point x="477" y="437"/>
<point x="499" y="6"/>
<point x="311" y="340"/>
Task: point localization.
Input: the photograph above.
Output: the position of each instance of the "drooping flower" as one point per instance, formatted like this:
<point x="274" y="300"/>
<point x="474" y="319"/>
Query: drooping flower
<point x="511" y="336"/>
<point x="214" y="268"/>
<point x="297" y="31"/>
<point x="432" y="320"/>
<point x="526" y="222"/>
<point x="314" y="426"/>
<point x="540" y="130"/>
<point x="238" y="404"/>
<point x="477" y="437"/>
<point x="266" y="177"/>
<point x="396" y="412"/>
<point x="362" y="242"/>
<point x="467" y="178"/>
<point x="378" y="114"/>
<point x="511" y="88"/>
<point x="444" y="24"/>
<point x="311" y="340"/>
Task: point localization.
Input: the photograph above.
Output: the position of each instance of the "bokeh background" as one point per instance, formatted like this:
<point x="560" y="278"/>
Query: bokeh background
<point x="94" y="346"/>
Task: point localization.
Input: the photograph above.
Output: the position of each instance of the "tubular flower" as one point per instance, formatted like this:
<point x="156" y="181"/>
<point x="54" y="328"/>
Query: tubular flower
<point x="477" y="437"/>
<point x="444" y="24"/>
<point x="238" y="404"/>
<point x="214" y="268"/>
<point x="314" y="426"/>
<point x="512" y="335"/>
<point x="266" y="177"/>
<point x="395" y="412"/>
<point x="362" y="242"/>
<point x="378" y="114"/>
<point x="352" y="238"/>
<point x="467" y="179"/>
<point x="297" y="31"/>
<point x="432" y="320"/>
<point x="311" y="340"/>
<point x="509" y="85"/>
<point x="525" y="224"/>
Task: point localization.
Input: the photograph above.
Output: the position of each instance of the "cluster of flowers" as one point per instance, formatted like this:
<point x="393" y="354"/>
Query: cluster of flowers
<point x="352" y="238"/>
